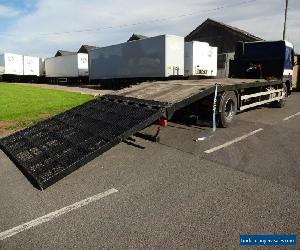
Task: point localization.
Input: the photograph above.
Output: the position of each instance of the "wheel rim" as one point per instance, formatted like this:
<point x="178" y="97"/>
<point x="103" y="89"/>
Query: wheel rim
<point x="229" y="109"/>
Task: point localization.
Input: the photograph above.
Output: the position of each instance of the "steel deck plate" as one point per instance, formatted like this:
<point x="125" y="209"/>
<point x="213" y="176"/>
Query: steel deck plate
<point x="52" y="149"/>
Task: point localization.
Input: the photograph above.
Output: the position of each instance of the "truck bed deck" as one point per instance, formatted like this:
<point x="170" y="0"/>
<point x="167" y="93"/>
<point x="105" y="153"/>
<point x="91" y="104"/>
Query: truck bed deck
<point x="177" y="90"/>
<point x="180" y="93"/>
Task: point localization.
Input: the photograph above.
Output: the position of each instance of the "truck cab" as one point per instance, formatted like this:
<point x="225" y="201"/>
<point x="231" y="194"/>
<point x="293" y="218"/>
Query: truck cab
<point x="264" y="60"/>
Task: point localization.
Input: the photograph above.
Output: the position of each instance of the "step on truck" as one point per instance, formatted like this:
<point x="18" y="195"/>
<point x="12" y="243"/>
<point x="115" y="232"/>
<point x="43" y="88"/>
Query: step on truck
<point x="54" y="148"/>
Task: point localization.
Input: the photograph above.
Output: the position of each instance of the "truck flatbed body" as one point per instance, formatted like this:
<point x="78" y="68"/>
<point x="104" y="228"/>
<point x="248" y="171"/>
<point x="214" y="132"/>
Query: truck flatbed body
<point x="177" y="94"/>
<point x="52" y="149"/>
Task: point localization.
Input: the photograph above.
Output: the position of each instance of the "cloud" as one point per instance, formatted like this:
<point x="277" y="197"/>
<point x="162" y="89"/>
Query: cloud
<point x="7" y="12"/>
<point x="56" y="24"/>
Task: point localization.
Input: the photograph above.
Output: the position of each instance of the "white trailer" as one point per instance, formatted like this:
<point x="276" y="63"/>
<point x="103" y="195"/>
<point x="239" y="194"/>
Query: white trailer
<point x="72" y="66"/>
<point x="200" y="59"/>
<point x="213" y="61"/>
<point x="11" y="64"/>
<point x="154" y="57"/>
<point x="42" y="66"/>
<point x="31" y="66"/>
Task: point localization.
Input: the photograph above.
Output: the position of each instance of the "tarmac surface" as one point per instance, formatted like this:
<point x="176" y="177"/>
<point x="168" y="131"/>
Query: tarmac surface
<point x="178" y="193"/>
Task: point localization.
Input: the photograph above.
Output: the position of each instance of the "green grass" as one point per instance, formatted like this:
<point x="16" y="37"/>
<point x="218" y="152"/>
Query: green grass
<point x="27" y="105"/>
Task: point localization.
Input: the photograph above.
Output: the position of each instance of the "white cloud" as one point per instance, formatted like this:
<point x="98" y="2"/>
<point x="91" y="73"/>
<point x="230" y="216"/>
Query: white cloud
<point x="27" y="35"/>
<point x="6" y="11"/>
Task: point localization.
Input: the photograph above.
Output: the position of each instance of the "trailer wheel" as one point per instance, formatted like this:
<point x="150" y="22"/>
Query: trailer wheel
<point x="227" y="108"/>
<point x="281" y="103"/>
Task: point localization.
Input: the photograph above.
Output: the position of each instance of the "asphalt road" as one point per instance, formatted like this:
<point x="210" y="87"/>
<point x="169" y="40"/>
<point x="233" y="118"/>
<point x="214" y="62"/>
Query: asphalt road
<point x="174" y="194"/>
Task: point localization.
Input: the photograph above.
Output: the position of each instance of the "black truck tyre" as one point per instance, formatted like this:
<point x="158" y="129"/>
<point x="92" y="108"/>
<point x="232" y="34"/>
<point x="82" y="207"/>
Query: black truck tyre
<point x="281" y="103"/>
<point x="227" y="108"/>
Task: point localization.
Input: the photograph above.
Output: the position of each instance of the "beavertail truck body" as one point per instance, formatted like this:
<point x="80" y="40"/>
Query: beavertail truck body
<point x="54" y="148"/>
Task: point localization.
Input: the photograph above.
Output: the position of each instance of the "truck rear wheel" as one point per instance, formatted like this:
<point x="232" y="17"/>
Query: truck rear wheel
<point x="227" y="108"/>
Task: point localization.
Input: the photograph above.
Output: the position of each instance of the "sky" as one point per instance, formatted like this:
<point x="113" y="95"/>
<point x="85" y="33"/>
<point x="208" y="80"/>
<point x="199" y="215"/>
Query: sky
<point x="41" y="27"/>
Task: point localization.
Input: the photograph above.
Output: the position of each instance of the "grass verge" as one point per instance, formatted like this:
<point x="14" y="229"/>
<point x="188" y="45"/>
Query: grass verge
<point x="22" y="106"/>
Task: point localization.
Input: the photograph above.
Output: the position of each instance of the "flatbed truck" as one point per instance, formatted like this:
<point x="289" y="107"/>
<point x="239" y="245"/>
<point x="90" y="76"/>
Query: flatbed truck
<point x="54" y="148"/>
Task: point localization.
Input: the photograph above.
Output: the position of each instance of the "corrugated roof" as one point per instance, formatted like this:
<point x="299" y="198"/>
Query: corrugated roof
<point x="226" y="26"/>
<point x="135" y="37"/>
<point x="64" y="53"/>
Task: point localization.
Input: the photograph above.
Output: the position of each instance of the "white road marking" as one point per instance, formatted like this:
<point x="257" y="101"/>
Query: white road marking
<point x="55" y="214"/>
<point x="291" y="116"/>
<point x="232" y="142"/>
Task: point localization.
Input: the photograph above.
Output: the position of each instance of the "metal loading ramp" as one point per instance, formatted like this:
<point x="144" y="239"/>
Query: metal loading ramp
<point x="54" y="148"/>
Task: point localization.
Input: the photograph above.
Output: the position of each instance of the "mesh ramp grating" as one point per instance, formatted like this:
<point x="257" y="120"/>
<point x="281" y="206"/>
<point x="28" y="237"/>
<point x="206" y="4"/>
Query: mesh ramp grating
<point x="54" y="148"/>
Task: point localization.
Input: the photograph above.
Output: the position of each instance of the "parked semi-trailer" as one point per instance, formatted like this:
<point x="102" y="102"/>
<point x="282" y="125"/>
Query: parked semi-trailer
<point x="11" y="66"/>
<point x="14" y="67"/>
<point x="200" y="59"/>
<point x="31" y="66"/>
<point x="69" y="68"/>
<point x="31" y="69"/>
<point x="42" y="67"/>
<point x="154" y="57"/>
